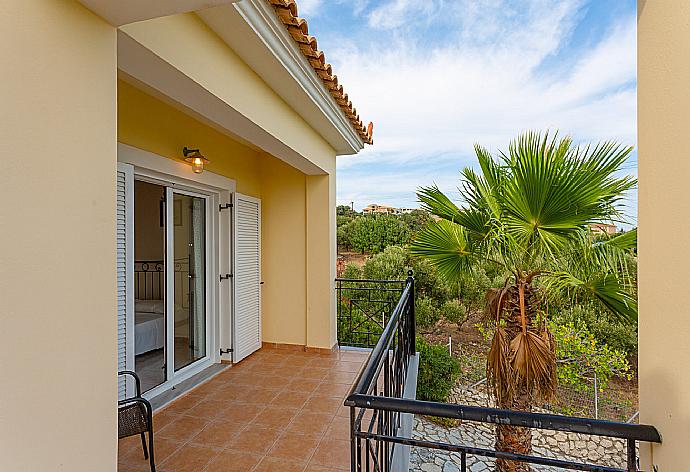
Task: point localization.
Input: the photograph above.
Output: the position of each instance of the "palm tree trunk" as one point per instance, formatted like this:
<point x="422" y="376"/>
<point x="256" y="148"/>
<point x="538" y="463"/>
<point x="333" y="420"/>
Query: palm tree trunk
<point x="514" y="438"/>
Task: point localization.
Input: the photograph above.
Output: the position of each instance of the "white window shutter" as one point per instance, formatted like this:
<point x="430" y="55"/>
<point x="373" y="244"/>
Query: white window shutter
<point x="125" y="276"/>
<point x="246" y="276"/>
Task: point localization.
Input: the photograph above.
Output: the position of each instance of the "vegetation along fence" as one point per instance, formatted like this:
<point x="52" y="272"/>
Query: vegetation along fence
<point x="364" y="308"/>
<point x="377" y="409"/>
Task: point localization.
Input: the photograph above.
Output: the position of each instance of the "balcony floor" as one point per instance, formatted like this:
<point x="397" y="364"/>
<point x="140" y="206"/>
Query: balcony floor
<point x="277" y="410"/>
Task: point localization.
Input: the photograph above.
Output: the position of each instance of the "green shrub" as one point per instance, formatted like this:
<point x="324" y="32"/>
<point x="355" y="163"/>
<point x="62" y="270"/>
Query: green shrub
<point x="352" y="271"/>
<point x="454" y="311"/>
<point x="372" y="234"/>
<point x="426" y="313"/>
<point x="620" y="336"/>
<point x="580" y="357"/>
<point x="428" y="282"/>
<point x="438" y="371"/>
<point x="391" y="264"/>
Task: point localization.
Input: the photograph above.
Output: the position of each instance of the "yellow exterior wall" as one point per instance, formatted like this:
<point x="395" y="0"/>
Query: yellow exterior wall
<point x="185" y="42"/>
<point x="283" y="243"/>
<point x="664" y="228"/>
<point x="321" y="256"/>
<point x="290" y="261"/>
<point x="57" y="247"/>
<point x="149" y="124"/>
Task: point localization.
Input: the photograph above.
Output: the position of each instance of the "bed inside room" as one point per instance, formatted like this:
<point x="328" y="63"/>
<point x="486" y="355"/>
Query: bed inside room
<point x="149" y="284"/>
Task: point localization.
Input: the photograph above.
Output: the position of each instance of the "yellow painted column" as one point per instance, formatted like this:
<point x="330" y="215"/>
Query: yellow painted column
<point x="664" y="229"/>
<point x="321" y="255"/>
<point x="58" y="360"/>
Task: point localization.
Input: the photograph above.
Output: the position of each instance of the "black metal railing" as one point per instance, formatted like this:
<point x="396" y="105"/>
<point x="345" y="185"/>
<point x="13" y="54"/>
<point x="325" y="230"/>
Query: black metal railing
<point x="364" y="308"/>
<point x="378" y="405"/>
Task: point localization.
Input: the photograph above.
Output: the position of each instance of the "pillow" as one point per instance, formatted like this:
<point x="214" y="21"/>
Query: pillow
<point x="149" y="306"/>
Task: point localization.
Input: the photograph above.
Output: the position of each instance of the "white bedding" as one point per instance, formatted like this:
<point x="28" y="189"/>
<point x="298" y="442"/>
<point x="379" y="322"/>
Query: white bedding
<point x="149" y="332"/>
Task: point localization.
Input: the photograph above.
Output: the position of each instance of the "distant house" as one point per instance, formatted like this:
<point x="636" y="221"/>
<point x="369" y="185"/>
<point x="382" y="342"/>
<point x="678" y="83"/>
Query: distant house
<point x="375" y="208"/>
<point x="602" y="228"/>
<point x="379" y="209"/>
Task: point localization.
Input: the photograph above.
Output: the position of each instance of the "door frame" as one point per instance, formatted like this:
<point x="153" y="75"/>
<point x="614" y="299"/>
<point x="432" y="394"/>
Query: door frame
<point x="209" y="232"/>
<point x="152" y="168"/>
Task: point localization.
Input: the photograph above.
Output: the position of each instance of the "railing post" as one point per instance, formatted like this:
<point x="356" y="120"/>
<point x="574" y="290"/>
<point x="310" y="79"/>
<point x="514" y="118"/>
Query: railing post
<point x="632" y="456"/>
<point x="412" y="320"/>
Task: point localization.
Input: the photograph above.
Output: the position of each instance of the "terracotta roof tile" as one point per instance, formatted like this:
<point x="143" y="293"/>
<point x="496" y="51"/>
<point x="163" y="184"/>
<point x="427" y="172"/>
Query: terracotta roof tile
<point x="299" y="30"/>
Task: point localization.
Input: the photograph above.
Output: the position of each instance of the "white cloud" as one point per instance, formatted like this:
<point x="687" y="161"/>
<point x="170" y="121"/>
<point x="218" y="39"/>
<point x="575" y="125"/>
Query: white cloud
<point x="396" y="13"/>
<point x="308" y="7"/>
<point x="437" y="76"/>
<point x="425" y="101"/>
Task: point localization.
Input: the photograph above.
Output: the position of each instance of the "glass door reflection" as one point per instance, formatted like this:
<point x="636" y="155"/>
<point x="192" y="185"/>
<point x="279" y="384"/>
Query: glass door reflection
<point x="189" y="240"/>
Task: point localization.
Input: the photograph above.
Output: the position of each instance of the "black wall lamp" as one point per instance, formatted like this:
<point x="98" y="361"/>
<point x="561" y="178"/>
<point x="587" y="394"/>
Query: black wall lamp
<point x="195" y="158"/>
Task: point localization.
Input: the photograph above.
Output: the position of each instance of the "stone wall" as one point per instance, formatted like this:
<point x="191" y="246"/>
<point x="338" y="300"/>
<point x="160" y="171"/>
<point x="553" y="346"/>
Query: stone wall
<point x="546" y="443"/>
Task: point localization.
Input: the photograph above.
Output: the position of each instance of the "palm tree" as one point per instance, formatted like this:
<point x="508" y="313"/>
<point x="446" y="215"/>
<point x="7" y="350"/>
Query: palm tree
<point x="528" y="212"/>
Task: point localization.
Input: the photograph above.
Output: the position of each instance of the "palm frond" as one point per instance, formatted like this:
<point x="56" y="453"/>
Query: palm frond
<point x="445" y="244"/>
<point x="601" y="287"/>
<point x="437" y="203"/>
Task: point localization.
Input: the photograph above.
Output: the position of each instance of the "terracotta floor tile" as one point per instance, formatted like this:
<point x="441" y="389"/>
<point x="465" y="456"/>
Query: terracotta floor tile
<point x="340" y="377"/>
<point x="332" y="453"/>
<point x="184" y="403"/>
<point x="347" y="366"/>
<point x="290" y="399"/>
<point x="217" y="434"/>
<point x="275" y="417"/>
<point x="249" y="379"/>
<point x="206" y="388"/>
<point x="227" y="392"/>
<point x="323" y="404"/>
<point x="131" y="455"/>
<point x="129" y="467"/>
<point x="255" y="439"/>
<point x="343" y="411"/>
<point x="189" y="458"/>
<point x="257" y="395"/>
<point x="234" y="461"/>
<point x="339" y="428"/>
<point x="266" y="369"/>
<point x="272" y="464"/>
<point x="303" y="385"/>
<point x="276" y="410"/>
<point x="333" y="390"/>
<point x="299" y="360"/>
<point x="316" y="373"/>
<point x="274" y="358"/>
<point x="319" y="468"/>
<point x="182" y="429"/>
<point x="290" y="370"/>
<point x="354" y="356"/>
<point x="274" y="382"/>
<point x="327" y="363"/>
<point x="241" y="412"/>
<point x="125" y="444"/>
<point x="311" y="424"/>
<point x="162" y="449"/>
<point x="162" y="419"/>
<point x="208" y="409"/>
<point x="294" y="447"/>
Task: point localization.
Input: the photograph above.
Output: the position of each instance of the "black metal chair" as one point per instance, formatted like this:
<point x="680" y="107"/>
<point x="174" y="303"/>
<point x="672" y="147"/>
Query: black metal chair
<point x="135" y="416"/>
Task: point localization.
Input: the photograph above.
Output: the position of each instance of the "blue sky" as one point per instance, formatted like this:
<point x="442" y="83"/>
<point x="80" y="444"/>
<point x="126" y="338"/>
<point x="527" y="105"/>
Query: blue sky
<point x="437" y="76"/>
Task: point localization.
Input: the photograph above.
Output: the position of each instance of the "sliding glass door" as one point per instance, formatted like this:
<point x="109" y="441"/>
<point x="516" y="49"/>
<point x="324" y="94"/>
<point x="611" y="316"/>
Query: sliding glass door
<point x="187" y="297"/>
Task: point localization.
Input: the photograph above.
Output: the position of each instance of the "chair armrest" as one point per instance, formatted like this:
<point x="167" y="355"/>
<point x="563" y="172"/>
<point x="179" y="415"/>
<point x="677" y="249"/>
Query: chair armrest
<point x="147" y="407"/>
<point x="136" y="379"/>
<point x="143" y="401"/>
